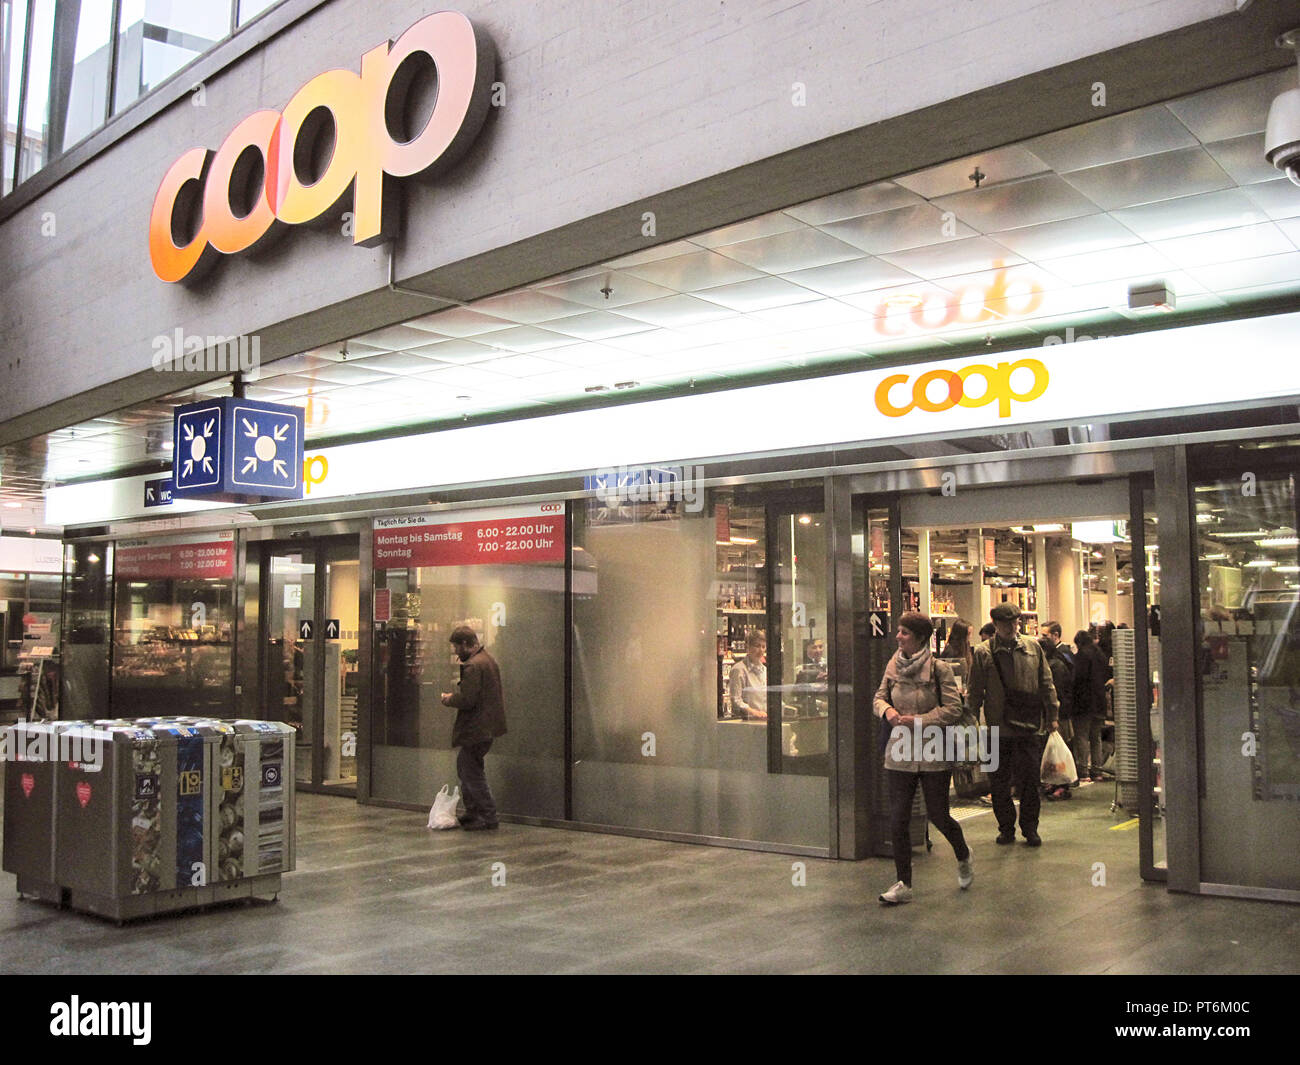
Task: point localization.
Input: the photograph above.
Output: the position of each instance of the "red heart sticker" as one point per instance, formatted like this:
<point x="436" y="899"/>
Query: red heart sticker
<point x="83" y="793"/>
<point x="29" y="785"/>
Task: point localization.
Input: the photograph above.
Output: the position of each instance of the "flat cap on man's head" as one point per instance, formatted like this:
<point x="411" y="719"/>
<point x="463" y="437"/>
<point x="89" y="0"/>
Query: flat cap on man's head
<point x="1005" y="612"/>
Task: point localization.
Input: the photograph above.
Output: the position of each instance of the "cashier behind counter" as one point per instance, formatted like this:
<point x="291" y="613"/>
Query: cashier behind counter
<point x="748" y="680"/>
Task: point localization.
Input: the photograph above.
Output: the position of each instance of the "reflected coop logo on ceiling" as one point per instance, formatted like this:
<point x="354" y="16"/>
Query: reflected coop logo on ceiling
<point x="340" y="131"/>
<point x="938" y="390"/>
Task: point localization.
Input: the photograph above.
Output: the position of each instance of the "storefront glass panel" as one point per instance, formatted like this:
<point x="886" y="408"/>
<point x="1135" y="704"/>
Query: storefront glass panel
<point x="1155" y="667"/>
<point x="87" y="611"/>
<point x="1249" y="638"/>
<point x="518" y="611"/>
<point x="697" y="698"/>
<point x="172" y="647"/>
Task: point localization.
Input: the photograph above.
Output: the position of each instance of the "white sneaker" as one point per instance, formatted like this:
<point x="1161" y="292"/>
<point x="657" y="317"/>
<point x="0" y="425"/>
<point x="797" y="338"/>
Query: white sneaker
<point x="966" y="871"/>
<point x="900" y="892"/>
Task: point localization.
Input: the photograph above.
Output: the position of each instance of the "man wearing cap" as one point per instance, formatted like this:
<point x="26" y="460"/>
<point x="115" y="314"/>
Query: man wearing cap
<point x="1012" y="682"/>
<point x="481" y="718"/>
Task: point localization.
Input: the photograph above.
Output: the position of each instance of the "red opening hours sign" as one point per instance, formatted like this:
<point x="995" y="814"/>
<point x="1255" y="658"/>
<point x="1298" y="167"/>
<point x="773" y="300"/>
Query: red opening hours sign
<point x="193" y="560"/>
<point x="499" y="536"/>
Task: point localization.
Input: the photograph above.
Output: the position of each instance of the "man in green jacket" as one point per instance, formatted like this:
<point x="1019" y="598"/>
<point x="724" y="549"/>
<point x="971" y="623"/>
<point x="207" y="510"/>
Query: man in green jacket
<point x="1015" y="663"/>
<point x="480" y="718"/>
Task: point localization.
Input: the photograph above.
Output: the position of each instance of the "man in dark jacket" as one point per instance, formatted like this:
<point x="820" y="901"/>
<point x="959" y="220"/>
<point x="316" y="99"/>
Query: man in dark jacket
<point x="480" y="718"/>
<point x="1010" y="661"/>
<point x="1091" y="672"/>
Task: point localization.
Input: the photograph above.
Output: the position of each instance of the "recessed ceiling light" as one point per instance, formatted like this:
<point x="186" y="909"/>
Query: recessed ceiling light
<point x="13" y="506"/>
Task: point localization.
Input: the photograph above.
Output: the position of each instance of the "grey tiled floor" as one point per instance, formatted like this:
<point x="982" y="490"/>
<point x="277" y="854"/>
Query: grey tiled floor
<point x="375" y="892"/>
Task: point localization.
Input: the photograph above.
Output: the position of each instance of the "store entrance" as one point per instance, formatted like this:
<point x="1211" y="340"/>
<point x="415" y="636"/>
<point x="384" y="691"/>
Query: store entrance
<point x="309" y="669"/>
<point x="1081" y="556"/>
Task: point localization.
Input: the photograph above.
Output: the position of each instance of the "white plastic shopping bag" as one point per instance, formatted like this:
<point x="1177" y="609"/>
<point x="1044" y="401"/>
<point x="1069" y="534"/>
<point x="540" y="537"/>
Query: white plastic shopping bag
<point x="443" y="812"/>
<point x="1058" y="763"/>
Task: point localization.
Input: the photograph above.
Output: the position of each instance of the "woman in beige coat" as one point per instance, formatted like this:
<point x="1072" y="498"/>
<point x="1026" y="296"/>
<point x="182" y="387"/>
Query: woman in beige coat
<point x="917" y="696"/>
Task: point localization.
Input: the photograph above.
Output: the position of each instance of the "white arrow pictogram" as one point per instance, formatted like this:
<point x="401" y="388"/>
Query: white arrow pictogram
<point x="198" y="448"/>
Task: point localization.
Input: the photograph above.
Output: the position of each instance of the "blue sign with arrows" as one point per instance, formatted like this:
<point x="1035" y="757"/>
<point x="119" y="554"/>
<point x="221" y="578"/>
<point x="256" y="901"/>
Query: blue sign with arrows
<point x="237" y="447"/>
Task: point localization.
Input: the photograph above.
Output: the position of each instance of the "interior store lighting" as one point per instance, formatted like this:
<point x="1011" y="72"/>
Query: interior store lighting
<point x="1262" y="563"/>
<point x="1279" y="541"/>
<point x="743" y="540"/>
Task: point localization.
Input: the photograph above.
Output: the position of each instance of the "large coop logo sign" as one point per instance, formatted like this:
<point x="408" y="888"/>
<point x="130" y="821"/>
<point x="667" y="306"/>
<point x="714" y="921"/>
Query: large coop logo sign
<point x="340" y="131"/>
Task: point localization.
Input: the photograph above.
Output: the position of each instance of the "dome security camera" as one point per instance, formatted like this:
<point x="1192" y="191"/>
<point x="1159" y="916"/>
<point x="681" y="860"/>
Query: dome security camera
<point x="1282" y="132"/>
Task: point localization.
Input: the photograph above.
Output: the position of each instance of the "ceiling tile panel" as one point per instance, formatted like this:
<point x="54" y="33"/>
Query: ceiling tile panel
<point x="673" y="311"/>
<point x="890" y="231"/>
<point x="623" y="288"/>
<point x="347" y="374"/>
<point x="1109" y="265"/>
<point x="599" y="325"/>
<point x="1233" y="110"/>
<point x="802" y="249"/>
<point x="392" y="338"/>
<point x="588" y="354"/>
<point x="693" y="272"/>
<point x="650" y="255"/>
<point x="1186" y="215"/>
<point x="955" y="257"/>
<point x="758" y="294"/>
<point x="529" y="306"/>
<point x="1033" y="201"/>
<point x="1225" y="246"/>
<point x="870" y="199"/>
<point x="1249" y="273"/>
<point x="1277" y="199"/>
<point x="526" y="338"/>
<point x="1147" y="131"/>
<point x="653" y="343"/>
<point x="397" y="362"/>
<point x="763" y="226"/>
<point x="1150" y="178"/>
<point x="458" y="351"/>
<point x="1243" y="159"/>
<point x="1074" y="236"/>
<point x="460" y="322"/>
<point x="858" y="275"/>
<point x="522" y="366"/>
<point x="997" y="166"/>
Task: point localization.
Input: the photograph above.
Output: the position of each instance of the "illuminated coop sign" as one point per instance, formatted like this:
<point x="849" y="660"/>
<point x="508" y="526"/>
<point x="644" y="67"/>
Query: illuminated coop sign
<point x="292" y="167"/>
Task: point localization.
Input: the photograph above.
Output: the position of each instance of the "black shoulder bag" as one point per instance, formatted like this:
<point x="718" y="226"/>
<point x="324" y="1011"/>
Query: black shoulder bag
<point x="1022" y="710"/>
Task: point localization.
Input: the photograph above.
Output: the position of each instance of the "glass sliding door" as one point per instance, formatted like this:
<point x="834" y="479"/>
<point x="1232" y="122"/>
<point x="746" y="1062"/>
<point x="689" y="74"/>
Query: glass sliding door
<point x="288" y="631"/>
<point x="1248" y="570"/>
<point x="309" y="663"/>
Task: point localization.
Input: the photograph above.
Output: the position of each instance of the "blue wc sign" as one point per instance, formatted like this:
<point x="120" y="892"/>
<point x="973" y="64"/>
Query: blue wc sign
<point x="237" y="447"/>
